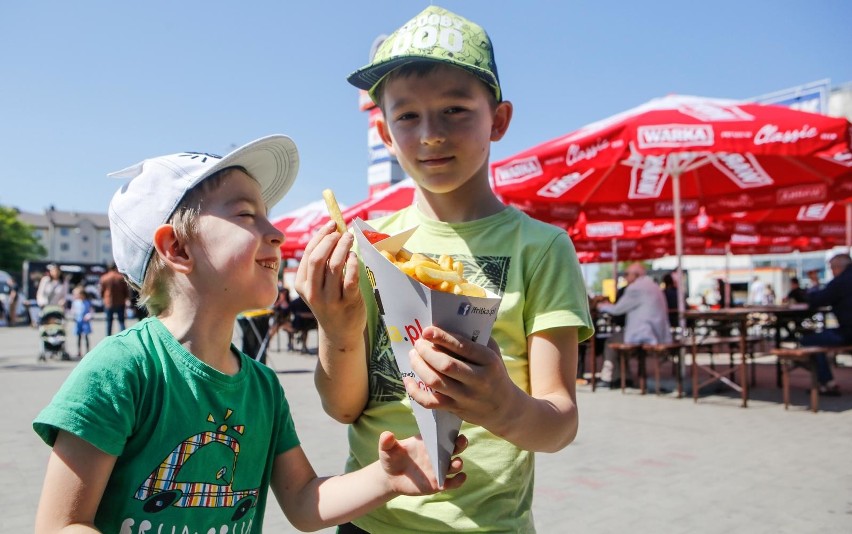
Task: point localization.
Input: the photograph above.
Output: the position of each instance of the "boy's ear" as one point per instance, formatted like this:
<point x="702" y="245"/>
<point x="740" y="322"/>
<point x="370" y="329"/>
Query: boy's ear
<point x="171" y="250"/>
<point x="384" y="134"/>
<point x="502" y="118"/>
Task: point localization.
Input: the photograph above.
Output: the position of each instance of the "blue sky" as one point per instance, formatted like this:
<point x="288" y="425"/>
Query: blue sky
<point x="91" y="87"/>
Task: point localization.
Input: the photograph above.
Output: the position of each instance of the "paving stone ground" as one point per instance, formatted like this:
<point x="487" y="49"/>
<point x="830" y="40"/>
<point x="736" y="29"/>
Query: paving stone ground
<point x="640" y="464"/>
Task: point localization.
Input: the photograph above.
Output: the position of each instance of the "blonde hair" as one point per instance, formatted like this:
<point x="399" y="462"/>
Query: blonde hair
<point x="155" y="293"/>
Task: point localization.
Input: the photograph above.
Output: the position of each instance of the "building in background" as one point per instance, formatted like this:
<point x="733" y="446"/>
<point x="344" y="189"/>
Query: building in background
<point x="70" y="236"/>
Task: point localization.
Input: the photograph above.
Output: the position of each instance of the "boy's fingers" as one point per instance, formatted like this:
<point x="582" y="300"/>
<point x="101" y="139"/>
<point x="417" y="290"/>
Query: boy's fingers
<point x="461" y="444"/>
<point x="340" y="254"/>
<point x="313" y="243"/>
<point x="456" y="465"/>
<point x="454" y="481"/>
<point x="387" y="441"/>
<point x="454" y="345"/>
<point x="350" y="275"/>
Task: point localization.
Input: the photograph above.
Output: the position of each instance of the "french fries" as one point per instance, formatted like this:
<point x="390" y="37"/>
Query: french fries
<point x="334" y="210"/>
<point x="444" y="275"/>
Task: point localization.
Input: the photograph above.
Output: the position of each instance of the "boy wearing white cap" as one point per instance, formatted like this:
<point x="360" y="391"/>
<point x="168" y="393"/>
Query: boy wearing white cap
<point x="436" y="82"/>
<point x="166" y="426"/>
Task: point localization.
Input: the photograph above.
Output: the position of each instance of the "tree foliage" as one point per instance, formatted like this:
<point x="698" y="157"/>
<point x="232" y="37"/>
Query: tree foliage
<point x="18" y="241"/>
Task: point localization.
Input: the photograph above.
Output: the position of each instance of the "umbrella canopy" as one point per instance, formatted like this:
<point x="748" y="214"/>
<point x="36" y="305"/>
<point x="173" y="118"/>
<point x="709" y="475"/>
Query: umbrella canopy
<point x="824" y="219"/>
<point x="299" y="225"/>
<point x="673" y="155"/>
<point x="728" y="156"/>
<point x="389" y="200"/>
<point x="598" y="251"/>
<point x="633" y="229"/>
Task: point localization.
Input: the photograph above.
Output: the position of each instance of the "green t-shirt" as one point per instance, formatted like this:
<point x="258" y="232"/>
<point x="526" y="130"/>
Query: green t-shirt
<point x="534" y="267"/>
<point x="194" y="446"/>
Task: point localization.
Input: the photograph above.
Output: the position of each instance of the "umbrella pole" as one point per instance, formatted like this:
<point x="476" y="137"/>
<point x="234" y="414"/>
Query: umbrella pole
<point x="681" y="301"/>
<point x="726" y="296"/>
<point x="849" y="227"/>
<point x="615" y="267"/>
<point x="679" y="252"/>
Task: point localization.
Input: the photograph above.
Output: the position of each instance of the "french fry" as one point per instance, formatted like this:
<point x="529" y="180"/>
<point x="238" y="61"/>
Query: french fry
<point x="334" y="210"/>
<point x="433" y="277"/>
<point x="469" y="290"/>
<point x="445" y="275"/>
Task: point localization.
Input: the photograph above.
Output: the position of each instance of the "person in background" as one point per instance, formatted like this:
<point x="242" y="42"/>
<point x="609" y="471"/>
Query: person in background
<point x="796" y="295"/>
<point x="616" y="321"/>
<point x="670" y="290"/>
<point x="722" y="289"/>
<point x="757" y="292"/>
<point x="81" y="312"/>
<point x="283" y="315"/>
<point x="115" y="293"/>
<point x="12" y="312"/>
<point x="769" y="296"/>
<point x="647" y="320"/>
<point x="838" y="295"/>
<point x="814" y="283"/>
<point x="52" y="288"/>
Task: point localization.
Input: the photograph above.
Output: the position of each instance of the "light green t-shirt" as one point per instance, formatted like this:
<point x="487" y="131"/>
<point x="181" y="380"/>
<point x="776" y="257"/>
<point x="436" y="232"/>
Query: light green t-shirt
<point x="533" y="266"/>
<point x="195" y="446"/>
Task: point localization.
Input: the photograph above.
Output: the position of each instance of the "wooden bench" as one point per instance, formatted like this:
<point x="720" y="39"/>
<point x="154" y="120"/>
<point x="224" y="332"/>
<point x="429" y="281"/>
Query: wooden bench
<point x="804" y="357"/>
<point x="662" y="352"/>
<point x="625" y="351"/>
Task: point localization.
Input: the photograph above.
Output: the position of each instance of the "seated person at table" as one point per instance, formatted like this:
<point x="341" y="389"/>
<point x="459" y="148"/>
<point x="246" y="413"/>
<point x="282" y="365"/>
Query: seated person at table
<point x="646" y="320"/>
<point x="813" y="280"/>
<point x="837" y="294"/>
<point x="797" y="295"/>
<point x="303" y="321"/>
<point x="670" y="291"/>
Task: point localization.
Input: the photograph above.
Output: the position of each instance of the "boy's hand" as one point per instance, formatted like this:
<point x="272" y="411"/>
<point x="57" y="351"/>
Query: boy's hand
<point x="466" y="378"/>
<point x="327" y="279"/>
<point x="409" y="469"/>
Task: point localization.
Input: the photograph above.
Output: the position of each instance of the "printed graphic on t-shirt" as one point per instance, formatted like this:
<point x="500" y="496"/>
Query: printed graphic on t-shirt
<point x="490" y="272"/>
<point x="199" y="472"/>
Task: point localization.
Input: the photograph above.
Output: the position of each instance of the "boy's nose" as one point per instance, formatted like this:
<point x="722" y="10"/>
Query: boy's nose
<point x="274" y="234"/>
<point x="432" y="132"/>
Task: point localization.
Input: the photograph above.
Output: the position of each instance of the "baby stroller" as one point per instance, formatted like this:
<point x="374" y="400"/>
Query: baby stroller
<point x="51" y="331"/>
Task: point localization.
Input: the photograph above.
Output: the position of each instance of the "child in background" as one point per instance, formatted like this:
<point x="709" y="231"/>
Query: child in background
<point x="81" y="311"/>
<point x="436" y="84"/>
<point x="166" y="426"/>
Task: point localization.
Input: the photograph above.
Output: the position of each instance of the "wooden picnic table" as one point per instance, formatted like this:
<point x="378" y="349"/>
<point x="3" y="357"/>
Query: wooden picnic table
<point x="738" y="318"/>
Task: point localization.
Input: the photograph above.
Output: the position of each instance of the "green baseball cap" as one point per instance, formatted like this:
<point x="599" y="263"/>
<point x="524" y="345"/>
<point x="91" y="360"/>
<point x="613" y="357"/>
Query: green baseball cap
<point x="438" y="35"/>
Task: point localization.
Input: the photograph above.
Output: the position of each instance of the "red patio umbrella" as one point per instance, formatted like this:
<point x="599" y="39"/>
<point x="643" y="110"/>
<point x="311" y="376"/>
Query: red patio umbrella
<point x="673" y="155"/>
<point x="298" y="227"/>
<point x="701" y="225"/>
<point x="386" y="201"/>
<point x="832" y="220"/>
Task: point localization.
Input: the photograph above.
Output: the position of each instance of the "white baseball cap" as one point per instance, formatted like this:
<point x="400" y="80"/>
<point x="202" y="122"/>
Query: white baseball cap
<point x="158" y="185"/>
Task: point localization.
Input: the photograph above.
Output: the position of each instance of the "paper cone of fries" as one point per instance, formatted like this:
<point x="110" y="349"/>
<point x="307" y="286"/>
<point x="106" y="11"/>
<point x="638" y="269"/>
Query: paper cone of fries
<point x="407" y="307"/>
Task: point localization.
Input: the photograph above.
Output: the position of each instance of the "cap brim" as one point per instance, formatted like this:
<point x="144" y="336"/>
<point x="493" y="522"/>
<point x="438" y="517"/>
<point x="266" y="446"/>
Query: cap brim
<point x="369" y="76"/>
<point x="273" y="161"/>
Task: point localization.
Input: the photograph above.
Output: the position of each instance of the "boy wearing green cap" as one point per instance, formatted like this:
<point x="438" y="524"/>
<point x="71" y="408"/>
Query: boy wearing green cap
<point x="436" y="83"/>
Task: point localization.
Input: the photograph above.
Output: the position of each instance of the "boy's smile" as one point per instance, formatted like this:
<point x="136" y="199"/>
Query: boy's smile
<point x="239" y="253"/>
